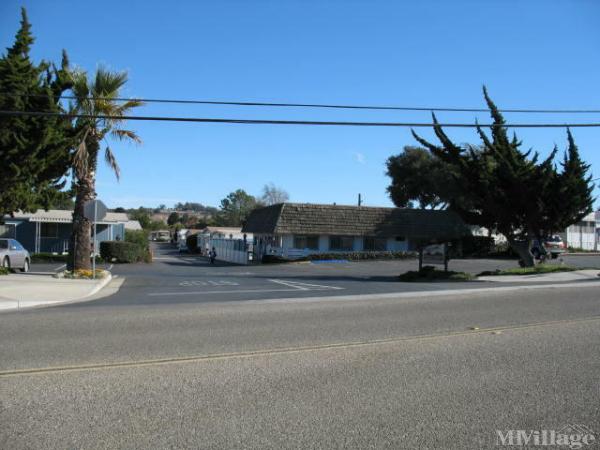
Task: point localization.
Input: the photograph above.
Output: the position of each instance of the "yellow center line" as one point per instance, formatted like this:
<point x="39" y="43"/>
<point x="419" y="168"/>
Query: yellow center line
<point x="282" y="350"/>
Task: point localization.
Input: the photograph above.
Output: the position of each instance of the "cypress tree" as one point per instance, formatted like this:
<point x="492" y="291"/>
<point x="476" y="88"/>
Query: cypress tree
<point x="508" y="190"/>
<point x="34" y="151"/>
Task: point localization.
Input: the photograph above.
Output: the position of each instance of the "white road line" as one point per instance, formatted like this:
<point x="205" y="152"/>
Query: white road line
<point x="60" y="267"/>
<point x="304" y="286"/>
<point x="239" y="291"/>
<point x="290" y="284"/>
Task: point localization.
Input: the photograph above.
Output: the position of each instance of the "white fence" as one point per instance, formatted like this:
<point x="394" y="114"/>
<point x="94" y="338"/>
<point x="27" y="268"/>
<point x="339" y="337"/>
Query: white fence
<point x="230" y="250"/>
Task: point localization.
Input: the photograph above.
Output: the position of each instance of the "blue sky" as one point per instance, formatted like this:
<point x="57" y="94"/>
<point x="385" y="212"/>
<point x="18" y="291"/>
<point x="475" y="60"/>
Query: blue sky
<point x="530" y="54"/>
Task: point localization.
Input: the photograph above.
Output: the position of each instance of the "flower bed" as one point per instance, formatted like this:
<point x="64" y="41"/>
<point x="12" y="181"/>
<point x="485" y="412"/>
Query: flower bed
<point x="82" y="274"/>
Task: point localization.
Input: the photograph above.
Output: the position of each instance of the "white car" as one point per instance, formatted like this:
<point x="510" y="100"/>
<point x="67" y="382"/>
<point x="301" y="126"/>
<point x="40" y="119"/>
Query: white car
<point x="13" y="255"/>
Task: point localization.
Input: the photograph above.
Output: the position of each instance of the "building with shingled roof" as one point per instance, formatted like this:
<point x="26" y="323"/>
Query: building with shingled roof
<point x="294" y="230"/>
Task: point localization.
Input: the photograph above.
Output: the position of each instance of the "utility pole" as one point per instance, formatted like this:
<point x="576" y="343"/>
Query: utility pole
<point x="359" y="200"/>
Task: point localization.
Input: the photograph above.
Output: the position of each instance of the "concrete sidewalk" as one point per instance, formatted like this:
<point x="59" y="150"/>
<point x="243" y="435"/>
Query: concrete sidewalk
<point x="588" y="274"/>
<point x="19" y="291"/>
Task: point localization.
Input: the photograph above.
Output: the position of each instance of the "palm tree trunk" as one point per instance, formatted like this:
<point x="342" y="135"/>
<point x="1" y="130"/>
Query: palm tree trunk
<point x="80" y="243"/>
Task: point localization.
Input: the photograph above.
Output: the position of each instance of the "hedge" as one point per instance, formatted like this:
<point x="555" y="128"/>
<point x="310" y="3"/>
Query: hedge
<point x="48" y="258"/>
<point x="361" y="256"/>
<point x="122" y="252"/>
<point x="475" y="246"/>
<point x="139" y="237"/>
<point x="350" y="256"/>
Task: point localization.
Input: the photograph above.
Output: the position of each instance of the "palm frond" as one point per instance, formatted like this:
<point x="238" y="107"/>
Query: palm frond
<point x="80" y="158"/>
<point x="124" y="108"/>
<point x="123" y="135"/>
<point x="110" y="159"/>
<point x="108" y="84"/>
<point x="81" y="92"/>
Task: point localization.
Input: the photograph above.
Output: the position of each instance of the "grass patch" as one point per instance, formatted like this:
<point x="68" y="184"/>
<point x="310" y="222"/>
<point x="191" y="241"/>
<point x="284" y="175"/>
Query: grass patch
<point x="540" y="268"/>
<point x="4" y="271"/>
<point x="429" y="273"/>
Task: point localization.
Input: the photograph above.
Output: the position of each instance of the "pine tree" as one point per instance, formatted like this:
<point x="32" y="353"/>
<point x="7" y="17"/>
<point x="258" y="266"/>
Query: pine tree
<point x="34" y="150"/>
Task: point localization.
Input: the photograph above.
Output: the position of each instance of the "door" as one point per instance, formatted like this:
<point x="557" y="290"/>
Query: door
<point x="17" y="255"/>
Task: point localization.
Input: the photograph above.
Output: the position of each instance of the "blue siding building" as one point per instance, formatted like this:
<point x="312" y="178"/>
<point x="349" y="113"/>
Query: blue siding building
<point x="49" y="231"/>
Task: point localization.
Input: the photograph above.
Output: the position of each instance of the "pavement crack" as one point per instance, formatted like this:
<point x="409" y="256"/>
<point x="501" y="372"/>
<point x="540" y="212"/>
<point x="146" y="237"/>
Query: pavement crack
<point x="285" y="350"/>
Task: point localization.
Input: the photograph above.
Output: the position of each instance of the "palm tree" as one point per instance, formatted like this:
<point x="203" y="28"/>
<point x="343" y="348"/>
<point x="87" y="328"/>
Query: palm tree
<point x="100" y="117"/>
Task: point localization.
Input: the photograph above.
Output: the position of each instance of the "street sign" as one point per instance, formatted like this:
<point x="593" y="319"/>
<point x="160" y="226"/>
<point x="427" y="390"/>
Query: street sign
<point x="94" y="210"/>
<point x="434" y="254"/>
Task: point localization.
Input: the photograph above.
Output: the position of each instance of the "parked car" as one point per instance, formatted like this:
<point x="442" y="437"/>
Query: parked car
<point x="13" y="255"/>
<point x="553" y="245"/>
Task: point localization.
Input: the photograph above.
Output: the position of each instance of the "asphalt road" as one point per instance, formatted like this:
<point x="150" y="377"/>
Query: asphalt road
<point x="180" y="279"/>
<point x="208" y="372"/>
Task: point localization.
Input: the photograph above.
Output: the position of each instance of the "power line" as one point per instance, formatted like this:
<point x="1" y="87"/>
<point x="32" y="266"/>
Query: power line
<point x="294" y="122"/>
<point x="324" y="106"/>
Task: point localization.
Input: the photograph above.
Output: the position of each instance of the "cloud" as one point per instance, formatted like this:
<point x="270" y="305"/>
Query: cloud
<point x="360" y="158"/>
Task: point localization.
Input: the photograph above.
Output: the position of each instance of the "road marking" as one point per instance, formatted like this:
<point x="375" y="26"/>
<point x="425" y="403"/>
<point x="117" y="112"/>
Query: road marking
<point x="304" y="286"/>
<point x="293" y="285"/>
<point x="237" y="291"/>
<point x="290" y="284"/>
<point x="287" y="350"/>
<point x="208" y="283"/>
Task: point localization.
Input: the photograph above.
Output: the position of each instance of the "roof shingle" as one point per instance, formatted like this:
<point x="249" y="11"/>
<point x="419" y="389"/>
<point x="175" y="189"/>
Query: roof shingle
<point x="306" y="218"/>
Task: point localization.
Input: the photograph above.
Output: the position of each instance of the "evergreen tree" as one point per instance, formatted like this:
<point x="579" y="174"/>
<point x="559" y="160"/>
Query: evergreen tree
<point x="508" y="190"/>
<point x="419" y="176"/>
<point x="235" y="208"/>
<point x="173" y="218"/>
<point x="34" y="150"/>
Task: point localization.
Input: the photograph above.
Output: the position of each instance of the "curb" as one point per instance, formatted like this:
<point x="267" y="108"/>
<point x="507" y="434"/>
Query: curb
<point x="94" y="291"/>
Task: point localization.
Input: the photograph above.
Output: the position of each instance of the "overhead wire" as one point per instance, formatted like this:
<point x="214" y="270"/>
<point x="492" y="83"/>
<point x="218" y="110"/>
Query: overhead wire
<point x="326" y="106"/>
<point x="294" y="122"/>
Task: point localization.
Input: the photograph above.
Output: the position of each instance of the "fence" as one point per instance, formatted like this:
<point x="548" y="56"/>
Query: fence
<point x="231" y="250"/>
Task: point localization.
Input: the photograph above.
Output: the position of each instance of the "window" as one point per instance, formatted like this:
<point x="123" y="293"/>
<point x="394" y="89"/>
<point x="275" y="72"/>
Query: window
<point x="49" y="230"/>
<point x="375" y="244"/>
<point x="3" y="244"/>
<point x="309" y="242"/>
<point x="400" y="238"/>
<point x="8" y="231"/>
<point x="345" y="243"/>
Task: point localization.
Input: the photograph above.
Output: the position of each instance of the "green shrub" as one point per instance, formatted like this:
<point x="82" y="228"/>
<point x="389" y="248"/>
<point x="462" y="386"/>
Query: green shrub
<point x="540" y="268"/>
<point x="48" y="258"/>
<point x="348" y="256"/>
<point x="430" y="273"/>
<point x="477" y="245"/>
<point x="139" y="237"/>
<point x="361" y="256"/>
<point x="121" y="252"/>
<point x="4" y="271"/>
